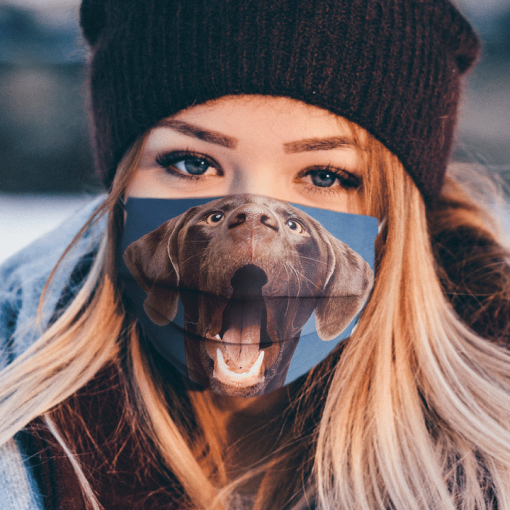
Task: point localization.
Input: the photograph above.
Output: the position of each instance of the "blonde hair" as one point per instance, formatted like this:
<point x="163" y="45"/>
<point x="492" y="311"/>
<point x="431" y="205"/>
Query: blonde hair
<point x="413" y="411"/>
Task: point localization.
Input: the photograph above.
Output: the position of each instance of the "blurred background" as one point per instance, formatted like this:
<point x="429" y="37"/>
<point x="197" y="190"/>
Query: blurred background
<point x="45" y="160"/>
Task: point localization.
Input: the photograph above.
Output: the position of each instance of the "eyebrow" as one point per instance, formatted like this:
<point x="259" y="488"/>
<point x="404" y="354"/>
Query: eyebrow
<point x="319" y="144"/>
<point x="197" y="132"/>
<point x="306" y="145"/>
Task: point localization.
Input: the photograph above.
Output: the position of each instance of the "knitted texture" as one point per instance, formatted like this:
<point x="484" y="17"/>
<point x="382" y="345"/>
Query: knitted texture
<point x="392" y="66"/>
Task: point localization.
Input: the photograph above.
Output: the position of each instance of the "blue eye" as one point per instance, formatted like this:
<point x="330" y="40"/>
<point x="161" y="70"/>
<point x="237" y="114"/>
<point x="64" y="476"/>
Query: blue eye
<point x="186" y="164"/>
<point x="328" y="177"/>
<point x="323" y="178"/>
<point x="192" y="166"/>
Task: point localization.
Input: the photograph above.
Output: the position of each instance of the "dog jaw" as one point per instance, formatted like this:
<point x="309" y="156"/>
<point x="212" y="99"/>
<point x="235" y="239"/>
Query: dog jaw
<point x="224" y="375"/>
<point x="238" y="355"/>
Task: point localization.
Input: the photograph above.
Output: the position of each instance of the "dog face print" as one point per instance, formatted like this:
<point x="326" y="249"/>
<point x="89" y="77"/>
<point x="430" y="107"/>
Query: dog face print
<point x="249" y="271"/>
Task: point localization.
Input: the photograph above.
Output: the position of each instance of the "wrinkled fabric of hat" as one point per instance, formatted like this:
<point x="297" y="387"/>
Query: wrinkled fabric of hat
<point x="244" y="294"/>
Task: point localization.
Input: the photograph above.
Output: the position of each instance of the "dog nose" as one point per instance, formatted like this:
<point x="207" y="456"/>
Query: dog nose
<point x="254" y="216"/>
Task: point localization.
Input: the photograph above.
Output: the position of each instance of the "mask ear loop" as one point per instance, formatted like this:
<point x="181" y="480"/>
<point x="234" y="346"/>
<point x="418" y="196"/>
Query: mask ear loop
<point x="380" y="226"/>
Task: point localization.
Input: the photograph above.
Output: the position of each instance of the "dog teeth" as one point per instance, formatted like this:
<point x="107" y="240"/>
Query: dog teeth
<point x="242" y="378"/>
<point x="218" y="337"/>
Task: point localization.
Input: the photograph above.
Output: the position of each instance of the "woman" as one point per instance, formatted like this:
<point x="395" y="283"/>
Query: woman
<point x="340" y="105"/>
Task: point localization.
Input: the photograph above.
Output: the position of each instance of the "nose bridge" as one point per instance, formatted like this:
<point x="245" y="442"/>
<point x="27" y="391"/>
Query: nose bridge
<point x="255" y="177"/>
<point x="254" y="216"/>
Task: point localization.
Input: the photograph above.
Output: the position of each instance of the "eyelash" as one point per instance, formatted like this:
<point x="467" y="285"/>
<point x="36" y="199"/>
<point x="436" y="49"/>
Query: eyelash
<point x="345" y="179"/>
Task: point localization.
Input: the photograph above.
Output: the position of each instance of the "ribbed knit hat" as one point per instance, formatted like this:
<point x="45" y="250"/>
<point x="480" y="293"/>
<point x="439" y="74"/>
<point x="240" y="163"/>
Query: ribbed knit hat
<point x="392" y="66"/>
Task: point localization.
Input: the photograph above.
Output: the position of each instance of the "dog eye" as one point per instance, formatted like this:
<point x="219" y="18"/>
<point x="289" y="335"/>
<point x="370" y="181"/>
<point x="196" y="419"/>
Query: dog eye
<point x="295" y="226"/>
<point x="214" y="218"/>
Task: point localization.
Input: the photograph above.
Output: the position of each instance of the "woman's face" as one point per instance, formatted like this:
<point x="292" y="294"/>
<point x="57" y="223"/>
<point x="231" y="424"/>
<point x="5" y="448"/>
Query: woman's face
<point x="277" y="147"/>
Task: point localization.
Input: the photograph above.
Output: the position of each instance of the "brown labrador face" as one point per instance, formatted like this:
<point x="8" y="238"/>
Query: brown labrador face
<point x="250" y="271"/>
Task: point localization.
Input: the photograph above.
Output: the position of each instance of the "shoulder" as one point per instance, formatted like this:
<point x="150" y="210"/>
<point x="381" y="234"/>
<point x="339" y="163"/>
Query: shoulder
<point x="23" y="276"/>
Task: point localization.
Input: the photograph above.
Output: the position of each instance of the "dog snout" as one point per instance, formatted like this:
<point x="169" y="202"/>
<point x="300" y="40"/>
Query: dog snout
<point x="253" y="216"/>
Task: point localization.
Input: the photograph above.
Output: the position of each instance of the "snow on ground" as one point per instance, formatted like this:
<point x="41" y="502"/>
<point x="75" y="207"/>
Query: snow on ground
<point x="24" y="218"/>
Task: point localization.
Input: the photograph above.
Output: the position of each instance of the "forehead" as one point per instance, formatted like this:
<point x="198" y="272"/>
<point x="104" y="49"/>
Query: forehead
<point x="284" y="118"/>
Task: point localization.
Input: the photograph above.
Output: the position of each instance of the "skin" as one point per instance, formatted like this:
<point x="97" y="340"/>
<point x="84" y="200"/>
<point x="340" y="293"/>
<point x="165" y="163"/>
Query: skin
<point x="277" y="147"/>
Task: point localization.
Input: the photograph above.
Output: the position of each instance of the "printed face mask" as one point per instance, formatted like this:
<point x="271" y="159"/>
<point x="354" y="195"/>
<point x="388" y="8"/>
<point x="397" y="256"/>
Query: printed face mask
<point x="244" y="294"/>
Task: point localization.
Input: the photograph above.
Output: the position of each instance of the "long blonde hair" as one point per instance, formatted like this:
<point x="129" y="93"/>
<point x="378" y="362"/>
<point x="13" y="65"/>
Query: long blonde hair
<point x="413" y="411"/>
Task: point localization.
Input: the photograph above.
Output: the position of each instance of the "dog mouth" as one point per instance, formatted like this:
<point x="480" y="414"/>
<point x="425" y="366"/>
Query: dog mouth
<point x="242" y="351"/>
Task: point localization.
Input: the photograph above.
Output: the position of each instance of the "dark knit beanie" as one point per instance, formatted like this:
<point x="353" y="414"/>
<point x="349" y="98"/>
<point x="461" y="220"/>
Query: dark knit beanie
<point x="392" y="66"/>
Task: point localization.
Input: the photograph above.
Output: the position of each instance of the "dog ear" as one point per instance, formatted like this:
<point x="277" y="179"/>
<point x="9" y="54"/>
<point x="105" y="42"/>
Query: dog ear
<point x="152" y="260"/>
<point x="346" y="290"/>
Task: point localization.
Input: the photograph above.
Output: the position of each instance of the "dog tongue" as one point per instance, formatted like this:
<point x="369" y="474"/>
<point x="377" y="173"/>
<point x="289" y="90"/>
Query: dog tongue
<point x="241" y="337"/>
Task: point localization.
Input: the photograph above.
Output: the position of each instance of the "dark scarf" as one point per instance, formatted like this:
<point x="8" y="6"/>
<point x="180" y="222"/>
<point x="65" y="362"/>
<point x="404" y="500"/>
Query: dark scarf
<point x="118" y="464"/>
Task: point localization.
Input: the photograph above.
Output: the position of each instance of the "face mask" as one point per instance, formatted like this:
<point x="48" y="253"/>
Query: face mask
<point x="244" y="294"/>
